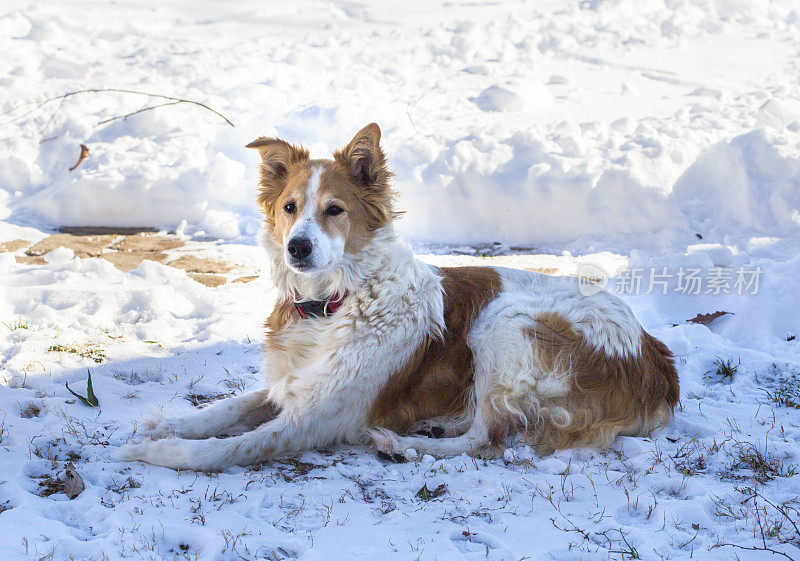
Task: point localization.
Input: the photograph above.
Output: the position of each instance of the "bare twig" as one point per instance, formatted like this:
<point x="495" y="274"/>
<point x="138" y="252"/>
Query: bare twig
<point x="756" y="548"/>
<point x="175" y="101"/>
<point x="83" y="156"/>
<point x="139" y="111"/>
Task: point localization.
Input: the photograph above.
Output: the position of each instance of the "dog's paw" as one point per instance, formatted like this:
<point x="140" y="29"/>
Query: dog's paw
<point x="155" y="425"/>
<point x="173" y="453"/>
<point x="132" y="452"/>
<point x="387" y="445"/>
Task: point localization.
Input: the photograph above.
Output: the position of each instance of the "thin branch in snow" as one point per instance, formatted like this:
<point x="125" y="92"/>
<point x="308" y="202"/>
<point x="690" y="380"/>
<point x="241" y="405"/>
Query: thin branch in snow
<point x="172" y="99"/>
<point x="137" y="112"/>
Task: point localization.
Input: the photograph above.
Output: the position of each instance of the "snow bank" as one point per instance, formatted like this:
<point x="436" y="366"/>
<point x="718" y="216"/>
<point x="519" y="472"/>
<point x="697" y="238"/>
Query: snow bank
<point x="540" y="125"/>
<point x="750" y="184"/>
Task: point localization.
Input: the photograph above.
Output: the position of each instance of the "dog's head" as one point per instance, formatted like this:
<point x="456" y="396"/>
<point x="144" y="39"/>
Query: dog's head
<point x="319" y="211"/>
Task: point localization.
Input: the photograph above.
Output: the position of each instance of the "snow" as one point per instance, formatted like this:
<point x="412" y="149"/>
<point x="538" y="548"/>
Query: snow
<point x="598" y="137"/>
<point x="538" y="125"/>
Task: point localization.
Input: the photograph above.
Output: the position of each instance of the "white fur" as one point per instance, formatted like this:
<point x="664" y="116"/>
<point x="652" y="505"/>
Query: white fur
<point x="603" y="319"/>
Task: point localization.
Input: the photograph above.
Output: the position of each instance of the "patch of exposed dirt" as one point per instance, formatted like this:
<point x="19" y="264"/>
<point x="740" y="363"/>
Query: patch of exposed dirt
<point x="246" y="279"/>
<point x="30" y="260"/>
<point x="193" y="264"/>
<point x="147" y="242"/>
<point x="14" y="245"/>
<point x="128" y="260"/>
<point x="131" y="250"/>
<point x="125" y="248"/>
<point x="83" y="246"/>
<point x="543" y="270"/>
<point x="208" y="280"/>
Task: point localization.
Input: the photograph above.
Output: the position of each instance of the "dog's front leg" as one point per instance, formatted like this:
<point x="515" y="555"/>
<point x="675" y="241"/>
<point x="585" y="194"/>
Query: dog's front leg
<point x="283" y="435"/>
<point x="253" y="409"/>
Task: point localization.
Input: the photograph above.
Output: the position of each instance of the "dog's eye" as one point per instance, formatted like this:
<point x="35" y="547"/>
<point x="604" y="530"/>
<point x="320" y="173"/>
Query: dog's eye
<point x="334" y="210"/>
<point x="290" y="207"/>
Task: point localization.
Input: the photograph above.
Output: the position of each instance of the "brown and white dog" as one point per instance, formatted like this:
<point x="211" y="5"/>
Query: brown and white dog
<point x="366" y="343"/>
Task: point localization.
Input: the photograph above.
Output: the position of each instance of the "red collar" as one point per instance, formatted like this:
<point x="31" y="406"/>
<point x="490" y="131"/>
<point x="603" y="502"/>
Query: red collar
<point x="319" y="308"/>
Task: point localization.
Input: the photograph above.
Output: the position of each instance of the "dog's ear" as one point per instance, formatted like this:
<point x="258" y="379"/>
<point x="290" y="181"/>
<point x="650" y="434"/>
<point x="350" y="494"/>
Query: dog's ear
<point x="365" y="160"/>
<point x="277" y="155"/>
<point x="366" y="163"/>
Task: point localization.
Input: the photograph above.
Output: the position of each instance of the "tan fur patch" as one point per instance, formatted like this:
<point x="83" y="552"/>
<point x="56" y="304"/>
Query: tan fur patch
<point x="295" y="188"/>
<point x="607" y="395"/>
<point x="277" y="157"/>
<point x="277" y="320"/>
<point x="438" y="379"/>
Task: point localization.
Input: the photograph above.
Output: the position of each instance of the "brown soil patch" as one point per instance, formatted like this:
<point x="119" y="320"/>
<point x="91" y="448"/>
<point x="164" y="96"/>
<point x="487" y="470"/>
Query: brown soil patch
<point x="131" y="250"/>
<point x="543" y="270"/>
<point x="208" y="280"/>
<point x="29" y="260"/>
<point x="245" y="279"/>
<point x="13" y="245"/>
<point x="83" y="246"/>
<point x="192" y="264"/>
<point x="146" y="242"/>
<point x="125" y="248"/>
<point x="128" y="260"/>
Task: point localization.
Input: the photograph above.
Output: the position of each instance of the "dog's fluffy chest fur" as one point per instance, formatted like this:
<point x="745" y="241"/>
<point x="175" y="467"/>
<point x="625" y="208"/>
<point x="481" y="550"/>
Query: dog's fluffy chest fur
<point x="352" y="353"/>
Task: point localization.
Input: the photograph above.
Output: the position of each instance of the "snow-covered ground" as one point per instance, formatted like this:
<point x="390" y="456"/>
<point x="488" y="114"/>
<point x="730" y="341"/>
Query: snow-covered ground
<point x="654" y="140"/>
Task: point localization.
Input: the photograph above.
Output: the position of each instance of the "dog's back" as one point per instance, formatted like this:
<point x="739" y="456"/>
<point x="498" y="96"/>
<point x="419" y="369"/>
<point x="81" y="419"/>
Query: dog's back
<point x="529" y="353"/>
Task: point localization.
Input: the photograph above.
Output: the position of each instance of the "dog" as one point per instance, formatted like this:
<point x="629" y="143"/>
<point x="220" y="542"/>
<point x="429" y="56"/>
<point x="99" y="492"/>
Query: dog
<point x="369" y="346"/>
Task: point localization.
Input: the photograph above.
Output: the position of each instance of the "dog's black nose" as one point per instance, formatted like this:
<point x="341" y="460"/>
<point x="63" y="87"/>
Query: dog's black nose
<point x="299" y="248"/>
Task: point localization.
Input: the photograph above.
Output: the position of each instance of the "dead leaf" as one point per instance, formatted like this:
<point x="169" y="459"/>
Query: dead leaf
<point x="705" y="319"/>
<point x="83" y="156"/>
<point x="73" y="482"/>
